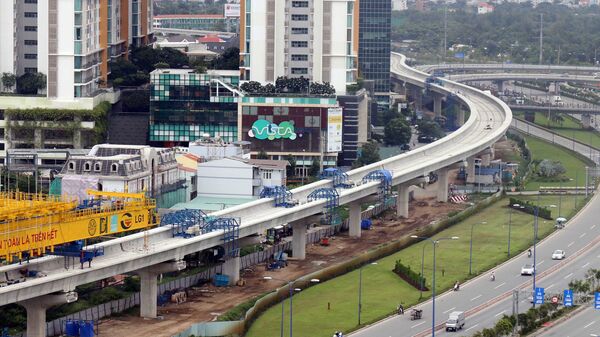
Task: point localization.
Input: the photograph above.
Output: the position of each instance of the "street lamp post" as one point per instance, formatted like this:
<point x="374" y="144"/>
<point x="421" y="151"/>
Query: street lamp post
<point x="434" y="242"/>
<point x="471" y="247"/>
<point x="509" y="225"/>
<point x="422" y="275"/>
<point x="292" y="289"/>
<point x="360" y="290"/>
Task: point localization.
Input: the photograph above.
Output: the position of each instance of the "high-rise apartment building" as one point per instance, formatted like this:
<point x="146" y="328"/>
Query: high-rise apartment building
<point x="374" y="46"/>
<point x="315" y="39"/>
<point x="70" y="41"/>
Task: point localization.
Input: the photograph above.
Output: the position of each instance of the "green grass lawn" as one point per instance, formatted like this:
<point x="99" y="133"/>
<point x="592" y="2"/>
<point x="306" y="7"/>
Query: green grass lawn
<point x="383" y="290"/>
<point x="542" y="150"/>
<point x="570" y="128"/>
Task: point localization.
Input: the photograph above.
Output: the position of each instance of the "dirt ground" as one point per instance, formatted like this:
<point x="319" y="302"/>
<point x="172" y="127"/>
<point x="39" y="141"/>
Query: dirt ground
<point x="207" y="304"/>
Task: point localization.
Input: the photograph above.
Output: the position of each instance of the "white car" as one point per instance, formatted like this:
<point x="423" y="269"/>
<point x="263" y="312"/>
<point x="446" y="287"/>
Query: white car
<point x="558" y="254"/>
<point x="527" y="269"/>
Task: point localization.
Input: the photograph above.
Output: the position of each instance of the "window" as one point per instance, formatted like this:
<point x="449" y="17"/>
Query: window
<point x="299" y="71"/>
<point x="31" y="56"/>
<point x="299" y="31"/>
<point x="31" y="28"/>
<point x="267" y="174"/>
<point x="30" y="14"/>
<point x="300" y="4"/>
<point x="31" y="70"/>
<point x="114" y="167"/>
<point x="31" y="42"/>
<point x="299" y="57"/>
<point x="31" y="1"/>
<point x="71" y="166"/>
<point x="299" y="44"/>
<point x="87" y="166"/>
<point x="97" y="167"/>
<point x="299" y="17"/>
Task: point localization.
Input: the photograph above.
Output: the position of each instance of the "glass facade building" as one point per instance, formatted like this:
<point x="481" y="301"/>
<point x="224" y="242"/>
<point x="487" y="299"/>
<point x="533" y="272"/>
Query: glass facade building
<point x="374" y="44"/>
<point x="185" y="105"/>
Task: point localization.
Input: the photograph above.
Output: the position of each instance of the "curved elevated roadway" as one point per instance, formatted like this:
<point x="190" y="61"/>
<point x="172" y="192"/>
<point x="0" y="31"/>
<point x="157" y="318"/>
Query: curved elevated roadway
<point x="507" y="66"/>
<point x="525" y="77"/>
<point x="155" y="246"/>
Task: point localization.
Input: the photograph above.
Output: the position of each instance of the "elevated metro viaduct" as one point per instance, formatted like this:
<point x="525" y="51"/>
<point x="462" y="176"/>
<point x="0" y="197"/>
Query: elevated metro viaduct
<point x="157" y="250"/>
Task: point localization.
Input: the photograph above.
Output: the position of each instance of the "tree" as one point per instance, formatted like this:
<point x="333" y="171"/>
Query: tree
<point x="369" y="154"/>
<point x="430" y="128"/>
<point x="551" y="168"/>
<point x="397" y="132"/>
<point x="161" y="65"/>
<point x="262" y="155"/>
<point x="291" y="168"/>
<point x="315" y="167"/>
<point x="8" y="81"/>
<point x="31" y="83"/>
<point x="136" y="101"/>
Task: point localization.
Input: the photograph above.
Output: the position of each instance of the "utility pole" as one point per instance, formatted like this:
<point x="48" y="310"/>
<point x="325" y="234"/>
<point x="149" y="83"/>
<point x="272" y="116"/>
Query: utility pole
<point x="541" y="36"/>
<point x="445" y="31"/>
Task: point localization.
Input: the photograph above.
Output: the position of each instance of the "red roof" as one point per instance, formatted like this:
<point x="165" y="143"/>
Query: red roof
<point x="189" y="16"/>
<point x="210" y="38"/>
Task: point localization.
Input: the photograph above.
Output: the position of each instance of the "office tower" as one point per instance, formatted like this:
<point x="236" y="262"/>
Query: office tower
<point x="70" y="41"/>
<point x="310" y="38"/>
<point x="374" y="46"/>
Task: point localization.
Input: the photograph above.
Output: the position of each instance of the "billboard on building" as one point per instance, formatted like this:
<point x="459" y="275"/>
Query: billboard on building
<point x="232" y="10"/>
<point x="334" y="130"/>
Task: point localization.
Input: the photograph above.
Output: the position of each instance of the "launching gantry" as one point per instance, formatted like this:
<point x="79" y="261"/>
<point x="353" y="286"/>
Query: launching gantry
<point x="34" y="224"/>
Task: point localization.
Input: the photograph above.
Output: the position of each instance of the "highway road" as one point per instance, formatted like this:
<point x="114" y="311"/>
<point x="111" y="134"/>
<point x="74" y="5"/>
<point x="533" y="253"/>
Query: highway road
<point x="485" y="301"/>
<point x="509" y="67"/>
<point x="585" y="323"/>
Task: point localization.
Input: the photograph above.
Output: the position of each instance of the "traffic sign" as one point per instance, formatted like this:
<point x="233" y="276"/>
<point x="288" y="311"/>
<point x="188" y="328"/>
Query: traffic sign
<point x="539" y="296"/>
<point x="597" y="300"/>
<point x="568" y="298"/>
<point x="554" y="299"/>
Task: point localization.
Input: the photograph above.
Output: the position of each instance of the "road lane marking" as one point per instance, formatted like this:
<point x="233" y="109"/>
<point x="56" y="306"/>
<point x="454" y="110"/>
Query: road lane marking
<point x="550" y="286"/>
<point x="416" y="325"/>
<point x="472" y="327"/>
<point x="447" y="311"/>
<point x="593" y="226"/>
<point x="566" y="277"/>
<point x="500" y="313"/>
<point x="500" y="285"/>
<point x="585" y="265"/>
<point x="540" y="262"/>
<point x="587" y="326"/>
<point x="582" y="235"/>
<point x="476" y="297"/>
<point x="570" y="244"/>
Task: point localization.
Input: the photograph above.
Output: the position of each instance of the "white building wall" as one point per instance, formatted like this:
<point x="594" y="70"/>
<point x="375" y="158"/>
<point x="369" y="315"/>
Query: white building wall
<point x="7" y="30"/>
<point x="258" y="41"/>
<point x="338" y="46"/>
<point x="279" y="43"/>
<point x="225" y="177"/>
<point x="66" y="51"/>
<point x="42" y="37"/>
<point x="113" y="185"/>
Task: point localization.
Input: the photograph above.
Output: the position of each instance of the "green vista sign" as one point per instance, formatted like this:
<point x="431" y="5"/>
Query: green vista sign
<point x="263" y="129"/>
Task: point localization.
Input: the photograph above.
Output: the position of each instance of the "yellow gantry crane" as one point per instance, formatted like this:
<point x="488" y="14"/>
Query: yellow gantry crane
<point x="32" y="224"/>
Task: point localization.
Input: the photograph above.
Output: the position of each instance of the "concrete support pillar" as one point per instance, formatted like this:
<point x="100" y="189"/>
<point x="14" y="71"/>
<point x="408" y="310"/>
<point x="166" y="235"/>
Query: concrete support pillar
<point x="402" y="201"/>
<point x="460" y="117"/>
<point x="299" y="240"/>
<point x="354" y="219"/>
<point x="442" y="192"/>
<point x="437" y="104"/>
<point x="470" y="170"/>
<point x="231" y="268"/>
<point x="149" y="285"/>
<point x="500" y="86"/>
<point x="486" y="159"/>
<point x="586" y="121"/>
<point x="36" y="311"/>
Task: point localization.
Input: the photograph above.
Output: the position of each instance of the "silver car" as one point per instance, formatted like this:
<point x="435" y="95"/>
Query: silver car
<point x="527" y="269"/>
